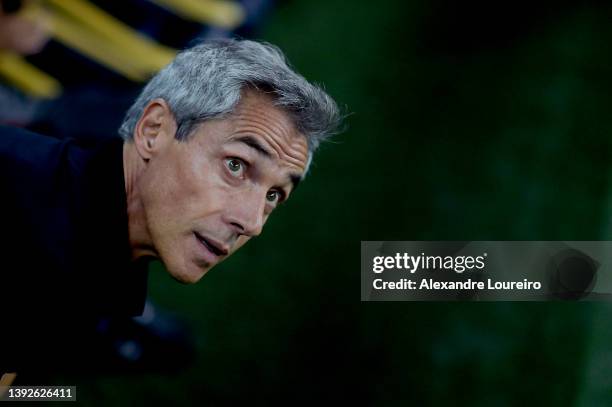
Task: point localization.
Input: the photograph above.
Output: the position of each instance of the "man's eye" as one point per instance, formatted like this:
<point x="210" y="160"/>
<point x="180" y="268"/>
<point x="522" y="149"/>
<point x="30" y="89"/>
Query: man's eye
<point x="272" y="196"/>
<point x="235" y="166"/>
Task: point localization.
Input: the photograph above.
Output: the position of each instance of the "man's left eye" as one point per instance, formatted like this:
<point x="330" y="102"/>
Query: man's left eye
<point x="272" y="196"/>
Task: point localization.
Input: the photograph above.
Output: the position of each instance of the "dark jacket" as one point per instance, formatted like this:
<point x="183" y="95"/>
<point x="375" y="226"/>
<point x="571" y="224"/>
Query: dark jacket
<point x="65" y="248"/>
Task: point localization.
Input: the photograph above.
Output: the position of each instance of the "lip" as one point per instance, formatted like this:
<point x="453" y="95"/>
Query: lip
<point x="213" y="249"/>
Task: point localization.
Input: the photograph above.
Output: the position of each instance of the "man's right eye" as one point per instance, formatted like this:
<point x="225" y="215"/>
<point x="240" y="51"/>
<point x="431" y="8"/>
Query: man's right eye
<point x="235" y="167"/>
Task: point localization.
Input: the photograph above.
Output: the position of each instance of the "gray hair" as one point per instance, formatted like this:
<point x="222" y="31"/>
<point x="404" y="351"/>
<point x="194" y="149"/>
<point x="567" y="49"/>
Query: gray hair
<point x="206" y="81"/>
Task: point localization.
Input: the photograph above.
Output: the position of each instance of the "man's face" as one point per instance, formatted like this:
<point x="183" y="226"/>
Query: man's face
<point x="206" y="197"/>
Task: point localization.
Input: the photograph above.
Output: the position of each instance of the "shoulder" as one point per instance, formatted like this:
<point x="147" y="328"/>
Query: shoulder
<point x="22" y="147"/>
<point x="36" y="161"/>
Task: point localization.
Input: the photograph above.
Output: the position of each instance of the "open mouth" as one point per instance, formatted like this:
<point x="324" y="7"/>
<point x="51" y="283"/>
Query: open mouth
<point x="212" y="246"/>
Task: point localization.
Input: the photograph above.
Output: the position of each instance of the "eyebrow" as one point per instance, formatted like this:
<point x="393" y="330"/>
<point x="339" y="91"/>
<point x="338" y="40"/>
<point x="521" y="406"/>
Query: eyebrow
<point x="256" y="145"/>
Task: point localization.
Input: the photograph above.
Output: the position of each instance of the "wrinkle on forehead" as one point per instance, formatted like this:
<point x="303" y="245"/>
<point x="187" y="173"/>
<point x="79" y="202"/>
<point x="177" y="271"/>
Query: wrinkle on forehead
<point x="257" y="115"/>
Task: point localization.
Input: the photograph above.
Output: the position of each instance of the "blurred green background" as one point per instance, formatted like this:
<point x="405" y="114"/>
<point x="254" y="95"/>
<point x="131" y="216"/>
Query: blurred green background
<point x="469" y="121"/>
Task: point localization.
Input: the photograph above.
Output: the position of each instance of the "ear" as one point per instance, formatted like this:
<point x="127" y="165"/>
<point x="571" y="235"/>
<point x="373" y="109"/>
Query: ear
<point x="155" y="129"/>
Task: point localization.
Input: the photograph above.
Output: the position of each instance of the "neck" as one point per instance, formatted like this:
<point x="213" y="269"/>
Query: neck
<point x="140" y="237"/>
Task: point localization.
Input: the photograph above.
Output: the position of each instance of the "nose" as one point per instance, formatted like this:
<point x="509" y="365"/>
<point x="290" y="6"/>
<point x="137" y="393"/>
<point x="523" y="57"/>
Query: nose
<point x="246" y="214"/>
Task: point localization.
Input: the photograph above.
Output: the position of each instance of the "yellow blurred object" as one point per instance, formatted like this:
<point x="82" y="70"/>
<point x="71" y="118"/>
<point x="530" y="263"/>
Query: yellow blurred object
<point x="96" y="34"/>
<point x="88" y="43"/>
<point x="151" y="56"/>
<point x="82" y="26"/>
<point x="27" y="77"/>
<point x="220" y="13"/>
<point x="5" y="381"/>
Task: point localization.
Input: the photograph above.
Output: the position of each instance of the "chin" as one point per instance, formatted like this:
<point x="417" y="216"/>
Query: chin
<point x="187" y="275"/>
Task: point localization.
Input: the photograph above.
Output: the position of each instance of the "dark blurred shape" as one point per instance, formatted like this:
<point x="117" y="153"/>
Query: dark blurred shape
<point x="73" y="114"/>
<point x="572" y="274"/>
<point x="156" y="342"/>
<point x="10" y="6"/>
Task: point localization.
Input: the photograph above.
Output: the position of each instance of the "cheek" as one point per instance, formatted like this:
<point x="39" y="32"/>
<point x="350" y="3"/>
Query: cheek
<point x="198" y="190"/>
<point x="165" y="192"/>
<point x="184" y="189"/>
